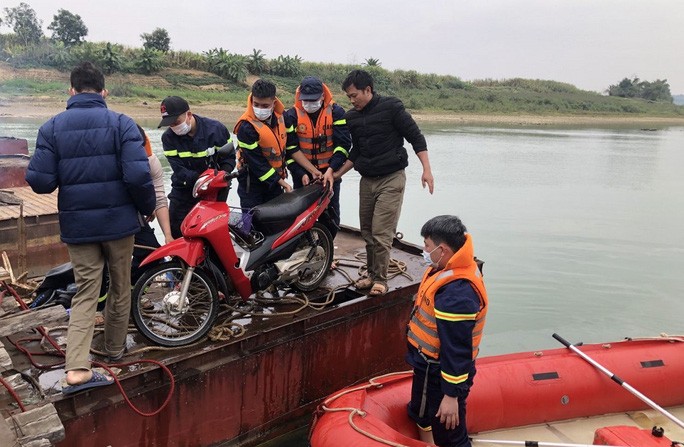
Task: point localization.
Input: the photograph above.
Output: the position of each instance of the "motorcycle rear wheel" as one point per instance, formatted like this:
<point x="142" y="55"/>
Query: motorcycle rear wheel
<point x="321" y="261"/>
<point x="155" y="305"/>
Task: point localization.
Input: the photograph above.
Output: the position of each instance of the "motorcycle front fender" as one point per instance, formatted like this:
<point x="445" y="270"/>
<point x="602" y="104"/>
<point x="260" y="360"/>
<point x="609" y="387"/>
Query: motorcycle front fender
<point x="190" y="250"/>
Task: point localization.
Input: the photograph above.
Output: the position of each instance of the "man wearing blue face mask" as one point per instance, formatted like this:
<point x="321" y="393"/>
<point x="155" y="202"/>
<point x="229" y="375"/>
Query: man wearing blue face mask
<point x="323" y="138"/>
<point x="188" y="143"/>
<point x="263" y="136"/>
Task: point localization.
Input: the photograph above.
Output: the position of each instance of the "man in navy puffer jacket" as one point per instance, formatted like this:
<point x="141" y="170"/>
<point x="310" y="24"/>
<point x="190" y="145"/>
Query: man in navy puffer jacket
<point x="96" y="158"/>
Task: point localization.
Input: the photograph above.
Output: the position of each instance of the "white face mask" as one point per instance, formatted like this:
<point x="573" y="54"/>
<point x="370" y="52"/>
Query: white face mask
<point x="427" y="257"/>
<point x="181" y="129"/>
<point x="312" y="106"/>
<point x="262" y="114"/>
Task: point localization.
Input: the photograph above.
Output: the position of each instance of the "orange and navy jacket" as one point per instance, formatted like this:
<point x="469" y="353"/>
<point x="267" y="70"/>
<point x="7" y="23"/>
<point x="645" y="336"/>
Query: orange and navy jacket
<point x="447" y="320"/>
<point x="323" y="137"/>
<point x="261" y="146"/>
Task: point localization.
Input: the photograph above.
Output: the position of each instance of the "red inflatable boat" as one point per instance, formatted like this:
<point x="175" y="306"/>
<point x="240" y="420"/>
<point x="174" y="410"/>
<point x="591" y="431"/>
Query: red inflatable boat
<point x="523" y="389"/>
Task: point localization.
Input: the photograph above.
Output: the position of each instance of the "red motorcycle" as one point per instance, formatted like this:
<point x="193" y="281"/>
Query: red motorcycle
<point x="226" y="253"/>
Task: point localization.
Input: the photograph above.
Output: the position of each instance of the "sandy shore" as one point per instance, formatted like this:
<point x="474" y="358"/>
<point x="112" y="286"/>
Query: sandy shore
<point x="148" y="111"/>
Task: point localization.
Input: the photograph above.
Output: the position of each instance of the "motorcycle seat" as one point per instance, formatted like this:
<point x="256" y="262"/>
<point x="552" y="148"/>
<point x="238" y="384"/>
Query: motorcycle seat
<point x="277" y="214"/>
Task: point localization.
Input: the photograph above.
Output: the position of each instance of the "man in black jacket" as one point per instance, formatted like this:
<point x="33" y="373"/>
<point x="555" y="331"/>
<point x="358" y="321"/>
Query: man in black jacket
<point x="378" y="126"/>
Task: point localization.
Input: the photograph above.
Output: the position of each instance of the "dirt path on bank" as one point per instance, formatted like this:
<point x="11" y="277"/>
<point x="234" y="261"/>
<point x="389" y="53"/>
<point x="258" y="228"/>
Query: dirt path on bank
<point x="45" y="107"/>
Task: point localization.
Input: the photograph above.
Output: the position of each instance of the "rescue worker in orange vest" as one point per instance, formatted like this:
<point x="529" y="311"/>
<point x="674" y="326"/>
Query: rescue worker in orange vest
<point x="262" y="140"/>
<point x="323" y="138"/>
<point x="444" y="333"/>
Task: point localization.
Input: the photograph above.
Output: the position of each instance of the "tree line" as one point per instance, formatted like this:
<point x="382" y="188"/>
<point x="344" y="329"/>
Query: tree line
<point x="28" y="46"/>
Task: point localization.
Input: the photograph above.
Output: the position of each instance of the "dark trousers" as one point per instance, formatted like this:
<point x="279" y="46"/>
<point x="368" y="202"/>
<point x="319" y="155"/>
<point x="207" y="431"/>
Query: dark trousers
<point x="256" y="195"/>
<point x="178" y="209"/>
<point x="331" y="217"/>
<point x="143" y="238"/>
<point x="457" y="437"/>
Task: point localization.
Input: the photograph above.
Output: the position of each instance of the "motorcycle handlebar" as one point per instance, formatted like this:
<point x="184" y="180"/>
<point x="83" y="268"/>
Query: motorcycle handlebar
<point x="231" y="175"/>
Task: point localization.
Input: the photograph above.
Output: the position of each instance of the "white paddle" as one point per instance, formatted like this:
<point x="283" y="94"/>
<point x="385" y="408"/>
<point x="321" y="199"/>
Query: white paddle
<point x="619" y="381"/>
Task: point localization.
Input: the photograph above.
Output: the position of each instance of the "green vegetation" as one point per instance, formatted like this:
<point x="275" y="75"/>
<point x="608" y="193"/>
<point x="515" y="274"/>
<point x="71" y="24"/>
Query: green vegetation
<point x="658" y="90"/>
<point x="68" y="28"/>
<point x="218" y="75"/>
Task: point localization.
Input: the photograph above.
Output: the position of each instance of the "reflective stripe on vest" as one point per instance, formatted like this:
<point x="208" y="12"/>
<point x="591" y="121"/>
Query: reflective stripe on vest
<point x="272" y="144"/>
<point x="316" y="141"/>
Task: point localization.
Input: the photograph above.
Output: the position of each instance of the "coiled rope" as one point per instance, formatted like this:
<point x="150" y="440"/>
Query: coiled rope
<point x="228" y="328"/>
<point x="372" y="383"/>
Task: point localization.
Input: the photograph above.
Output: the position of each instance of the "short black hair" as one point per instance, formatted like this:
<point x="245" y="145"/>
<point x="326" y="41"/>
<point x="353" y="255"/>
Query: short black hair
<point x="87" y="77"/>
<point x="359" y="79"/>
<point x="445" y="229"/>
<point x="263" y="89"/>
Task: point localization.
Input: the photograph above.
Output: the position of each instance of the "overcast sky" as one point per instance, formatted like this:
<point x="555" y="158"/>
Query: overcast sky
<point x="588" y="43"/>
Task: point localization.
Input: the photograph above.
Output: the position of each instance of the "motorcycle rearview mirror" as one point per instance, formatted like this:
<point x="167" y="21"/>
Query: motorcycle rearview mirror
<point x="227" y="149"/>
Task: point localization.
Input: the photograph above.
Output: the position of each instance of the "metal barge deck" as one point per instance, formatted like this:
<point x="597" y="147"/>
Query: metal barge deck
<point x="253" y="387"/>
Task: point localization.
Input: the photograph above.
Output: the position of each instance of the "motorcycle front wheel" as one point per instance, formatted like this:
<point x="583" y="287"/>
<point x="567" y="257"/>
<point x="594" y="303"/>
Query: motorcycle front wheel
<point x="159" y="313"/>
<point x="319" y="239"/>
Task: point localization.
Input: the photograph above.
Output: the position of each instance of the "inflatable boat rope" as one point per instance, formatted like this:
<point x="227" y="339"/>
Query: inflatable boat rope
<point x="372" y="383"/>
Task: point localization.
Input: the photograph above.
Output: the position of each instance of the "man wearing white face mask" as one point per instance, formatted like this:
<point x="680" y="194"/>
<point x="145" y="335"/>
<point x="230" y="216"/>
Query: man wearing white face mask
<point x="322" y="137"/>
<point x="263" y="136"/>
<point x="444" y="333"/>
<point x="188" y="142"/>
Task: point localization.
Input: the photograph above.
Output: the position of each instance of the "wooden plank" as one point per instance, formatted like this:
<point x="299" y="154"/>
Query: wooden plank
<point x="7" y="437"/>
<point x="42" y="442"/>
<point x="34" y="204"/>
<point x="7" y="303"/>
<point x="8" y="266"/>
<point x="19" y="385"/>
<point x="29" y="319"/>
<point x="37" y="424"/>
<point x="5" y="360"/>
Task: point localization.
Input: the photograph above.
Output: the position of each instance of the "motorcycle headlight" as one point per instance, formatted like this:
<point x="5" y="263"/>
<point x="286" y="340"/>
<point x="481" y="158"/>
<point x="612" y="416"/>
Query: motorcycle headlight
<point x="201" y="184"/>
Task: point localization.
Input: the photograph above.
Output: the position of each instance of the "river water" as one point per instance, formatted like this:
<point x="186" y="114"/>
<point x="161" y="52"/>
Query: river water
<point x="580" y="228"/>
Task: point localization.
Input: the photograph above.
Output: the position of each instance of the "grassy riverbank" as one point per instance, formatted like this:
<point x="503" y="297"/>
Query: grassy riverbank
<point x="40" y="93"/>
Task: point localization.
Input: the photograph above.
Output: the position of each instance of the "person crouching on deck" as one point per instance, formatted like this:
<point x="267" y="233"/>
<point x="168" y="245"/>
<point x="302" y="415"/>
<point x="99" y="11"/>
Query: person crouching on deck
<point x="262" y="141"/>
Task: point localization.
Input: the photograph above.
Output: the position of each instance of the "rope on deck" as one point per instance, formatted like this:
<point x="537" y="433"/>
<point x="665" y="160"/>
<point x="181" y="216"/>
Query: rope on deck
<point x="228" y="328"/>
<point x="61" y="353"/>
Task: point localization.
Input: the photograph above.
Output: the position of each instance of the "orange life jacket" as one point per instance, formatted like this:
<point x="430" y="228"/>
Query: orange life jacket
<point x="271" y="141"/>
<point x="316" y="139"/>
<point x="148" y="146"/>
<point x="422" y="327"/>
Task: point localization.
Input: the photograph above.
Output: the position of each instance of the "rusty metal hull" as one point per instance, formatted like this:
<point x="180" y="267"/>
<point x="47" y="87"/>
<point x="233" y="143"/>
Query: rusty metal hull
<point x="29" y="222"/>
<point x="29" y="231"/>
<point x="247" y="390"/>
<point x="14" y="159"/>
